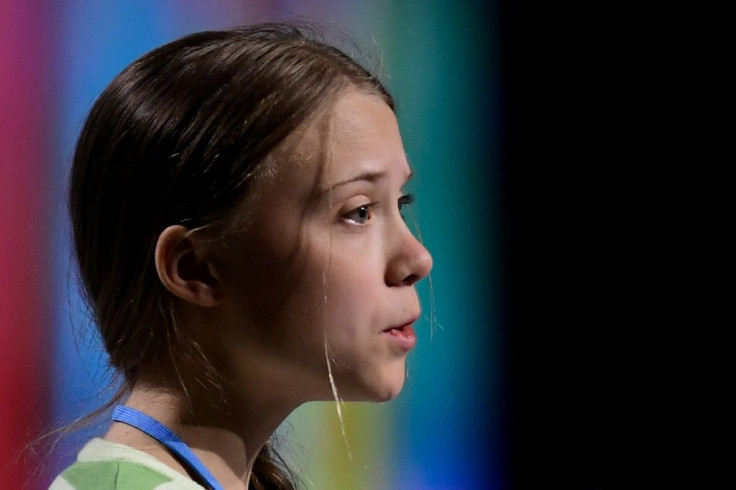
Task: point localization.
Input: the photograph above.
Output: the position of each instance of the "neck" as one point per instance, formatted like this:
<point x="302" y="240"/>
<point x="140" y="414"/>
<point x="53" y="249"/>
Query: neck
<point x="227" y="443"/>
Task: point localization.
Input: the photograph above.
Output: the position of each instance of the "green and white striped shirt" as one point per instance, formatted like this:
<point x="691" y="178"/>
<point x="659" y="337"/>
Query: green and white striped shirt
<point x="105" y="465"/>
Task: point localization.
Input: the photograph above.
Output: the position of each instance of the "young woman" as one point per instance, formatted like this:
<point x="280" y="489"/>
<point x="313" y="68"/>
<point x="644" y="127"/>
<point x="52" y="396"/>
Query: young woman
<point x="236" y="203"/>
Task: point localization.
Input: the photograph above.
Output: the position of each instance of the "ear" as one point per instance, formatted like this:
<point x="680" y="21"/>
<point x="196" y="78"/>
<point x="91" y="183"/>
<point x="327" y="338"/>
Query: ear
<point x="183" y="267"/>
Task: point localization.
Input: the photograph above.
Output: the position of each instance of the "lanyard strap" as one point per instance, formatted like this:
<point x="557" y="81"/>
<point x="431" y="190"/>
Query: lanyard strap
<point x="158" y="431"/>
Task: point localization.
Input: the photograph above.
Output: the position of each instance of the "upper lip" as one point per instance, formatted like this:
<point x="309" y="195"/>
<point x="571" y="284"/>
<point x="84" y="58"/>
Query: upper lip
<point x="403" y="324"/>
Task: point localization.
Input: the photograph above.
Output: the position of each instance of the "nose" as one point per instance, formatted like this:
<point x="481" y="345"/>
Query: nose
<point x="410" y="261"/>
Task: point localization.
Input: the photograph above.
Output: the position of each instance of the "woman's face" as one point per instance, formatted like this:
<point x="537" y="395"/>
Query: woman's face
<point x="326" y="262"/>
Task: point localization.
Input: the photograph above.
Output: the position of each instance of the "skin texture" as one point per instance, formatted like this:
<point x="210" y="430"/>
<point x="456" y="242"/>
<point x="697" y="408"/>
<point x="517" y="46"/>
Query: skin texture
<point x="320" y="262"/>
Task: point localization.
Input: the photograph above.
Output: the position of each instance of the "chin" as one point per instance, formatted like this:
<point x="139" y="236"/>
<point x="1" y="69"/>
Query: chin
<point x="378" y="389"/>
<point x="388" y="395"/>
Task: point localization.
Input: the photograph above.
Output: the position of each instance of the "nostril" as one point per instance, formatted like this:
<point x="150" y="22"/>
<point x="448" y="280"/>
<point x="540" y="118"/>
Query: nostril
<point x="411" y="279"/>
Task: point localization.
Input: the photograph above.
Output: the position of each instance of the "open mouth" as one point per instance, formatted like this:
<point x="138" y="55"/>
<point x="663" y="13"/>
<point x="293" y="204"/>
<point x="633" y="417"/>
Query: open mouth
<point x="403" y="335"/>
<point x="402" y="330"/>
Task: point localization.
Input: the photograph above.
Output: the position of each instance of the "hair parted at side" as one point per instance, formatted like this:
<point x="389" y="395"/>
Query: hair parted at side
<point x="176" y="138"/>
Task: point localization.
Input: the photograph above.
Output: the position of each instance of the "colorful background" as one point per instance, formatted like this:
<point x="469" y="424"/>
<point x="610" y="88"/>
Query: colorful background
<point x="445" y="431"/>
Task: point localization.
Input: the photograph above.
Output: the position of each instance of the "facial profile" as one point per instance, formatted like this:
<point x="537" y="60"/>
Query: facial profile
<point x="326" y="262"/>
<point x="236" y="202"/>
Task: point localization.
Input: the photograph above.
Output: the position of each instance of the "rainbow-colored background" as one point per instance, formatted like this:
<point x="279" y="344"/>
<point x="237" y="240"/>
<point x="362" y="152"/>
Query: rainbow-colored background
<point x="446" y="429"/>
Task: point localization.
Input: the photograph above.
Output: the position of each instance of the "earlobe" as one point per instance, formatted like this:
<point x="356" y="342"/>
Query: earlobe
<point x="184" y="269"/>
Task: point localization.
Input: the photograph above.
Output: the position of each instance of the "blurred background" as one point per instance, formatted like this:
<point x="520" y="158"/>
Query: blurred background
<point x="441" y="60"/>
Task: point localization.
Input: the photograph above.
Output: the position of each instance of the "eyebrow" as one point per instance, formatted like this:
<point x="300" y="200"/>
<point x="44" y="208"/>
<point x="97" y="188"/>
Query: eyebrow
<point x="367" y="177"/>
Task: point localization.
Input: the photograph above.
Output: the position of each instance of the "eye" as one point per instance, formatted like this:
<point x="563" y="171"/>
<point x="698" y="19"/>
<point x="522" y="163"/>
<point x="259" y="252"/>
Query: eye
<point x="359" y="215"/>
<point x="404" y="200"/>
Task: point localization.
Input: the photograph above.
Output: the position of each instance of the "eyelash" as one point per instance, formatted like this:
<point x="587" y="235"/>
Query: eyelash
<point x="405" y="200"/>
<point x="366" y="208"/>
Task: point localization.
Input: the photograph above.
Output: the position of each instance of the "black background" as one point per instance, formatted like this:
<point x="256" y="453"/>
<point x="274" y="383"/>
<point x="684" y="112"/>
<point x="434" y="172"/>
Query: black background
<point x="598" y="284"/>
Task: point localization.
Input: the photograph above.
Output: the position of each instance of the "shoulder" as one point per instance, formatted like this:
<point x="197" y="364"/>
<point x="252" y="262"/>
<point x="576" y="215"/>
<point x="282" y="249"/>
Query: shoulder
<point x="110" y="475"/>
<point x="103" y="465"/>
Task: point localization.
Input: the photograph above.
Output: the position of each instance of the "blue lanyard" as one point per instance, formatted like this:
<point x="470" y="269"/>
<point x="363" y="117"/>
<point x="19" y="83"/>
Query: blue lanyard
<point x="158" y="431"/>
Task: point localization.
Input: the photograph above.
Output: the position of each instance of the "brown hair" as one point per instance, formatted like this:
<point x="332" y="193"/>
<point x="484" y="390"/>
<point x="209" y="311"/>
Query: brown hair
<point x="176" y="138"/>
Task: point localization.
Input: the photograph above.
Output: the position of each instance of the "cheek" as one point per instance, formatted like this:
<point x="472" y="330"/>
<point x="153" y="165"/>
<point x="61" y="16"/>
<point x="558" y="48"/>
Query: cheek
<point x="293" y="289"/>
<point x="291" y="283"/>
<point x="353" y="299"/>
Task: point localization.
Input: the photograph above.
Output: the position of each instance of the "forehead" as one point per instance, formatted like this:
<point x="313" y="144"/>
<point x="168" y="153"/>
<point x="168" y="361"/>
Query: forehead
<point x="357" y="134"/>
<point x="359" y="121"/>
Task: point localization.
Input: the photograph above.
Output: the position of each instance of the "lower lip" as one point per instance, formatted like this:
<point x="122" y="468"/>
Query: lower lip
<point x="404" y="336"/>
